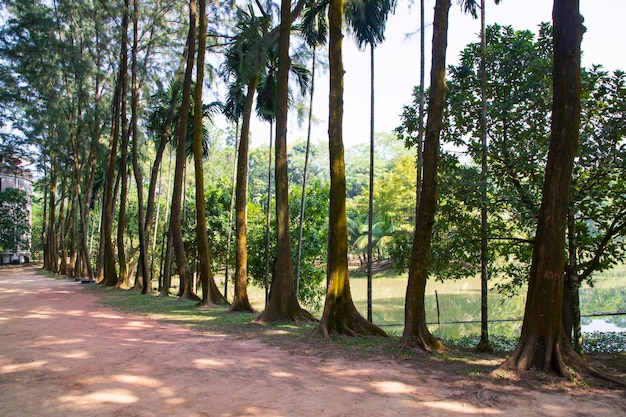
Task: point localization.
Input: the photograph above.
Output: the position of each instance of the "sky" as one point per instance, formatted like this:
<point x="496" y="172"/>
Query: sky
<point x="397" y="60"/>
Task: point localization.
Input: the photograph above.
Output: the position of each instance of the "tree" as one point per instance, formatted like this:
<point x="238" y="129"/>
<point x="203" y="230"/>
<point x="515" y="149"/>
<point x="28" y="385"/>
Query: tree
<point x="515" y="97"/>
<point x="339" y="314"/>
<point x="542" y="344"/>
<point x="415" y="330"/>
<point x="283" y="302"/>
<point x="483" y="344"/>
<point x="14" y="220"/>
<point x="314" y="29"/>
<point x="177" y="194"/>
<point x="210" y="292"/>
<point x="143" y="271"/>
<point x="110" y="277"/>
<point x="367" y="20"/>
<point x="243" y="63"/>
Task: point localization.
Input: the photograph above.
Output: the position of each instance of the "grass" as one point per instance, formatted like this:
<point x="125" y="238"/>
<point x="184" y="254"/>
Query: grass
<point x="460" y="360"/>
<point x="289" y="336"/>
<point x="216" y="319"/>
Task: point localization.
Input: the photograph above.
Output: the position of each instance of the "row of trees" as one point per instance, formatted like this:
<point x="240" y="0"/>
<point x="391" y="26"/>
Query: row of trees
<point x="85" y="106"/>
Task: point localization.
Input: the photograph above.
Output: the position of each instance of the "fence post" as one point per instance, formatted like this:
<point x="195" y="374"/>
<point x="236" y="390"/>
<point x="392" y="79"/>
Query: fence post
<point x="437" y="301"/>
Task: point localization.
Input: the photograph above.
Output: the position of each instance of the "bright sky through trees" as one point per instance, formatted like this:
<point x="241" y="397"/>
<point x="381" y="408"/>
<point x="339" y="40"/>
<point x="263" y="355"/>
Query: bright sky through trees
<point x="397" y="59"/>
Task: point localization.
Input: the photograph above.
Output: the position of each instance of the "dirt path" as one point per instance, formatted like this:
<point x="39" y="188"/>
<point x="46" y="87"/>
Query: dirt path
<point x="62" y="354"/>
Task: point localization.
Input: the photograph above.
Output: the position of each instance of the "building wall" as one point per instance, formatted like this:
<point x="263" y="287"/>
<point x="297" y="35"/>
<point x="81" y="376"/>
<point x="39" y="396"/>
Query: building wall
<point x="13" y="175"/>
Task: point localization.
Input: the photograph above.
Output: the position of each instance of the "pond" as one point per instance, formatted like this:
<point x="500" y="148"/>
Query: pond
<point x="458" y="314"/>
<point x="459" y="306"/>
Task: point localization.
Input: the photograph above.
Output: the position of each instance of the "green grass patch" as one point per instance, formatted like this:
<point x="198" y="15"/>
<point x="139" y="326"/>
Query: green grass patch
<point x="297" y="338"/>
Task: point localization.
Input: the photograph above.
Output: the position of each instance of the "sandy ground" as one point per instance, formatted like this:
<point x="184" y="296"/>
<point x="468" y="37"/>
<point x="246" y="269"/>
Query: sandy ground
<point x="62" y="354"/>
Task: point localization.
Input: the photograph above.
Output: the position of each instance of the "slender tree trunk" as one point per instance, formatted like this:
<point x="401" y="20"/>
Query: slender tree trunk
<point x="416" y="331"/>
<point x="240" y="298"/>
<point x="143" y="273"/>
<point x="571" y="284"/>
<point x="123" y="280"/>
<point x="60" y="232"/>
<point x="422" y="100"/>
<point x="542" y="343"/>
<point x="483" y="344"/>
<point x="304" y="174"/>
<point x="110" y="270"/>
<point x="156" y="165"/>
<point x="370" y="200"/>
<point x="210" y="293"/>
<point x="339" y="314"/>
<point x="52" y="254"/>
<point x="230" y="213"/>
<point x="283" y="303"/>
<point x="268" y="216"/>
<point x="44" y="219"/>
<point x="177" y="195"/>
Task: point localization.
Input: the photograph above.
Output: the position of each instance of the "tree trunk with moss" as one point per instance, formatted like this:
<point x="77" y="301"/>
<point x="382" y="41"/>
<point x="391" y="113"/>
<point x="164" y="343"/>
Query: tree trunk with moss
<point x="340" y="315"/>
<point x="177" y="194"/>
<point x="283" y="301"/>
<point x="543" y="345"/>
<point x="416" y="332"/>
<point x="210" y="293"/>
<point x="240" y="298"/>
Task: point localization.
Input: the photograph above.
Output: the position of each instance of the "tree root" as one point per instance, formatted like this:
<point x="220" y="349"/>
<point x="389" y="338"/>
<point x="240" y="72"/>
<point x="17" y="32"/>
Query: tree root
<point x="241" y="306"/>
<point x="564" y="360"/>
<point x="353" y="326"/>
<point x="297" y="316"/>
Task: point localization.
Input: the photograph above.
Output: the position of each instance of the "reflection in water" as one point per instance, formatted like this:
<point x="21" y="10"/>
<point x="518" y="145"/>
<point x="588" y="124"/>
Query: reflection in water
<point x="459" y="303"/>
<point x="459" y="306"/>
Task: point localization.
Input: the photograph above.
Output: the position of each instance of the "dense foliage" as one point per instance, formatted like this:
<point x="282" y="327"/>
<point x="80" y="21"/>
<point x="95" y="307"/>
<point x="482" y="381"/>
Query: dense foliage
<point x="14" y="221"/>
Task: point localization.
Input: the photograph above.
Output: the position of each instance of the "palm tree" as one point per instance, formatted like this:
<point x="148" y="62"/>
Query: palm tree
<point x="314" y="28"/>
<point x="233" y="109"/>
<point x="243" y="66"/>
<point x="339" y="314"/>
<point x="368" y="19"/>
<point x="249" y="62"/>
<point x="469" y="6"/>
<point x="283" y="301"/>
<point x="266" y="110"/>
<point x="415" y="330"/>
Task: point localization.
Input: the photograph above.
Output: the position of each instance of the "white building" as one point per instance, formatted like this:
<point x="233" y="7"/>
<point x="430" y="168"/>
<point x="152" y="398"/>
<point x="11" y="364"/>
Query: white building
<point x="14" y="175"/>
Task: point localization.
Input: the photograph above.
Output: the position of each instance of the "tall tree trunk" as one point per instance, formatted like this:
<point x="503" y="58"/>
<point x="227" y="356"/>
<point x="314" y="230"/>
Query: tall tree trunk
<point x="422" y="100"/>
<point x="158" y="158"/>
<point x="483" y="344"/>
<point x="283" y="303"/>
<point x="268" y="216"/>
<point x="110" y="269"/>
<point x="571" y="284"/>
<point x="542" y="344"/>
<point x="52" y="254"/>
<point x="304" y="174"/>
<point x="240" y="298"/>
<point x="416" y="331"/>
<point x="123" y="280"/>
<point x="210" y="293"/>
<point x="177" y="195"/>
<point x="370" y="200"/>
<point x="339" y="314"/>
<point x="44" y="218"/>
<point x="143" y="272"/>
<point x="60" y="232"/>
<point x="230" y="212"/>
